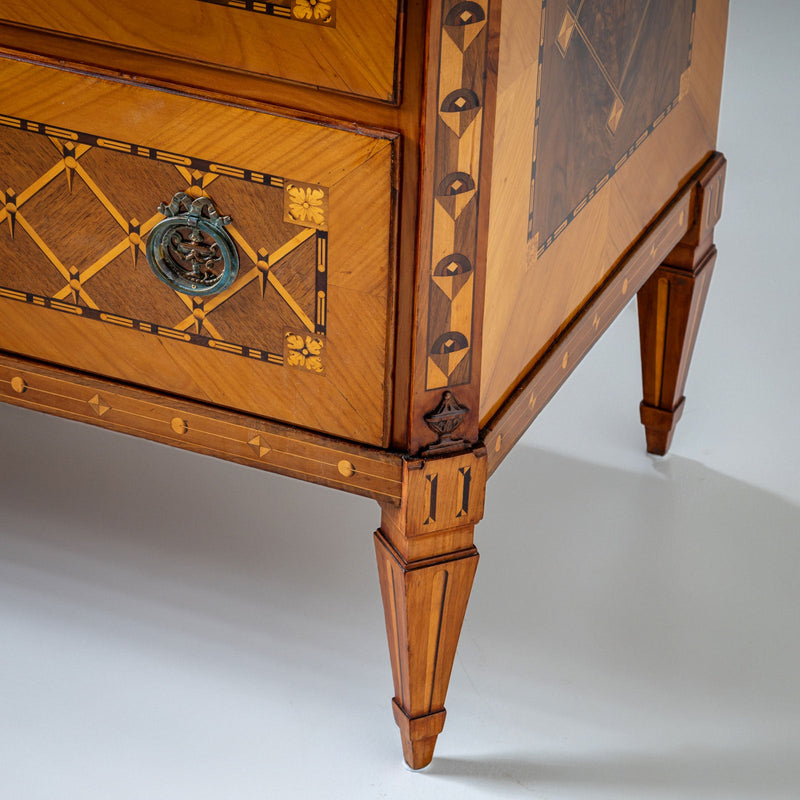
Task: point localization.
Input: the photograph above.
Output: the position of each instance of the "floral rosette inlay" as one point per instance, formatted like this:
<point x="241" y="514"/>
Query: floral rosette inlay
<point x="306" y="205"/>
<point x="304" y="351"/>
<point x="319" y="11"/>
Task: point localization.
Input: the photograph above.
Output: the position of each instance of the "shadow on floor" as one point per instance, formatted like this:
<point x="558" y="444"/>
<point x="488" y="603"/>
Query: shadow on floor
<point x="629" y="634"/>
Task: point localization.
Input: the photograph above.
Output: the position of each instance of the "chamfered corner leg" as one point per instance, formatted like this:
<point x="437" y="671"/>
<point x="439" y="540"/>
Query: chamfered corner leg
<point x="670" y="306"/>
<point x="426" y="565"/>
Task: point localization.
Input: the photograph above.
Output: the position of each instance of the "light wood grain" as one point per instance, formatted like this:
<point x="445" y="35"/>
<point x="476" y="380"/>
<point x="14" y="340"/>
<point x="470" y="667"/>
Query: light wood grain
<point x="198" y="427"/>
<point x="350" y="399"/>
<point x="529" y="300"/>
<point x="356" y="54"/>
<point x="426" y="565"/>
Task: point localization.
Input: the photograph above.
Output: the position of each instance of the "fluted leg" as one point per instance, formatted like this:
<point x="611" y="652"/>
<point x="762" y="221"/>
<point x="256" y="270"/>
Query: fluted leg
<point x="426" y="564"/>
<point x="670" y="307"/>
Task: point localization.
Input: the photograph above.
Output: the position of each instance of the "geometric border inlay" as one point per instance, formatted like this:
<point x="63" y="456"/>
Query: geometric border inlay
<point x="177" y="159"/>
<point x="317" y="12"/>
<point x="463" y="53"/>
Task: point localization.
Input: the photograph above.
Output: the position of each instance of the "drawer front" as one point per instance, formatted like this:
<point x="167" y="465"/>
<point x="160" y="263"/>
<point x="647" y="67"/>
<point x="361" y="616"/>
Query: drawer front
<point x="334" y="44"/>
<point x="296" y="328"/>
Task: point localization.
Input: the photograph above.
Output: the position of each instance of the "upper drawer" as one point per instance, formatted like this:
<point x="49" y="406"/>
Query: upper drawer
<point x="343" y="45"/>
<point x="271" y="236"/>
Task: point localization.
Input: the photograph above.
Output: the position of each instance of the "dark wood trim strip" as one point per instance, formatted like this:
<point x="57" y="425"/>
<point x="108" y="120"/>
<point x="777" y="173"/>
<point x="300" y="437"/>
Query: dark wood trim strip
<point x="460" y="102"/>
<point x="251" y="441"/>
<point x="142" y="151"/>
<point x="276" y="10"/>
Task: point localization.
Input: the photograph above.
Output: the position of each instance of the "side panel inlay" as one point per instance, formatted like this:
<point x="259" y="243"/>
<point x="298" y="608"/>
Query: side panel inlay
<point x="609" y="74"/>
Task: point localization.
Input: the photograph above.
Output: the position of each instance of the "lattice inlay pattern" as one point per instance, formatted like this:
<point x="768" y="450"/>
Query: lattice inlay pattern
<point x="76" y="211"/>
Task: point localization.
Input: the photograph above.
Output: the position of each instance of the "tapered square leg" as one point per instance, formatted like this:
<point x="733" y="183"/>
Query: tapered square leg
<point x="424" y="604"/>
<point x="670" y="306"/>
<point x="426" y="564"/>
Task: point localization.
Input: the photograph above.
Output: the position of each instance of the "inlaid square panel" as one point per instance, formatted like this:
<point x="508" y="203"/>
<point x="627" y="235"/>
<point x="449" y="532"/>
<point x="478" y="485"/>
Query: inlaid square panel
<point x="110" y="186"/>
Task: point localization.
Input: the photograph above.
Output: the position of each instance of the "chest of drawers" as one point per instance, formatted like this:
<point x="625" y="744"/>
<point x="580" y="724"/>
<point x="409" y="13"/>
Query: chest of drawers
<point x="358" y="245"/>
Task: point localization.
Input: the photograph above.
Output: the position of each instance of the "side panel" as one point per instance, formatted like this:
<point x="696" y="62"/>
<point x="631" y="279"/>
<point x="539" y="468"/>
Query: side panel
<point x="604" y="111"/>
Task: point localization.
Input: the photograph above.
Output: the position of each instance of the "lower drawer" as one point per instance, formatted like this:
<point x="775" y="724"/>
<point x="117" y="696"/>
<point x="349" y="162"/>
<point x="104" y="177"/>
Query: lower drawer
<point x="270" y="236"/>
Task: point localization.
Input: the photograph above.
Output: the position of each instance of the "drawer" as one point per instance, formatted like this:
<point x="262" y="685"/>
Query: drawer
<point x="282" y="310"/>
<point x="334" y="44"/>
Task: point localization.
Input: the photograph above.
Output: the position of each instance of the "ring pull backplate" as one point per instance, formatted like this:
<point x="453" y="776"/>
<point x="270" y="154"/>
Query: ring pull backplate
<point x="190" y="250"/>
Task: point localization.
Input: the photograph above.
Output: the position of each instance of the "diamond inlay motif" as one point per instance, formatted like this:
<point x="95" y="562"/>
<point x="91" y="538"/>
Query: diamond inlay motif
<point x="259" y="446"/>
<point x="99" y="406"/>
<point x="94" y="269"/>
<point x="460" y="100"/>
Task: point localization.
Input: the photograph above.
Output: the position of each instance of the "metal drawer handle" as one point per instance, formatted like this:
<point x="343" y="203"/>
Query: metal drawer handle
<point x="190" y="250"/>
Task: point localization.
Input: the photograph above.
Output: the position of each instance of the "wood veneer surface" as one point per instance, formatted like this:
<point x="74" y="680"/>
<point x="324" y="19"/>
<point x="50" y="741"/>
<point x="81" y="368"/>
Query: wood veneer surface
<point x="340" y="45"/>
<point x="531" y="294"/>
<point x="347" y="397"/>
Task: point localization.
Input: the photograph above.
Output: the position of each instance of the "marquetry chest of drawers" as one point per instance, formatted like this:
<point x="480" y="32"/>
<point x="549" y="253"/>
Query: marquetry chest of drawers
<point x="358" y="244"/>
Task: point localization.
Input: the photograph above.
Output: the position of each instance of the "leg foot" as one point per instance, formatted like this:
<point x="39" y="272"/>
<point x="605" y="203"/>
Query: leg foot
<point x="670" y="306"/>
<point x="659" y="425"/>
<point x="418" y="735"/>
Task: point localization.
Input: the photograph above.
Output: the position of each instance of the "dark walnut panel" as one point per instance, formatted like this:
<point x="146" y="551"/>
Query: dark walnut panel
<point x="300" y="334"/>
<point x="609" y="74"/>
<point x="342" y="45"/>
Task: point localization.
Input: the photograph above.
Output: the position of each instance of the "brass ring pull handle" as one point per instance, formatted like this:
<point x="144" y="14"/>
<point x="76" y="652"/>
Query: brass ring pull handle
<point x="190" y="250"/>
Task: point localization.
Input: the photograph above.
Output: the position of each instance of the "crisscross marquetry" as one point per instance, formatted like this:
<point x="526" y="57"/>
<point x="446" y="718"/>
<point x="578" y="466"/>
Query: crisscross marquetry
<point x="65" y="167"/>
